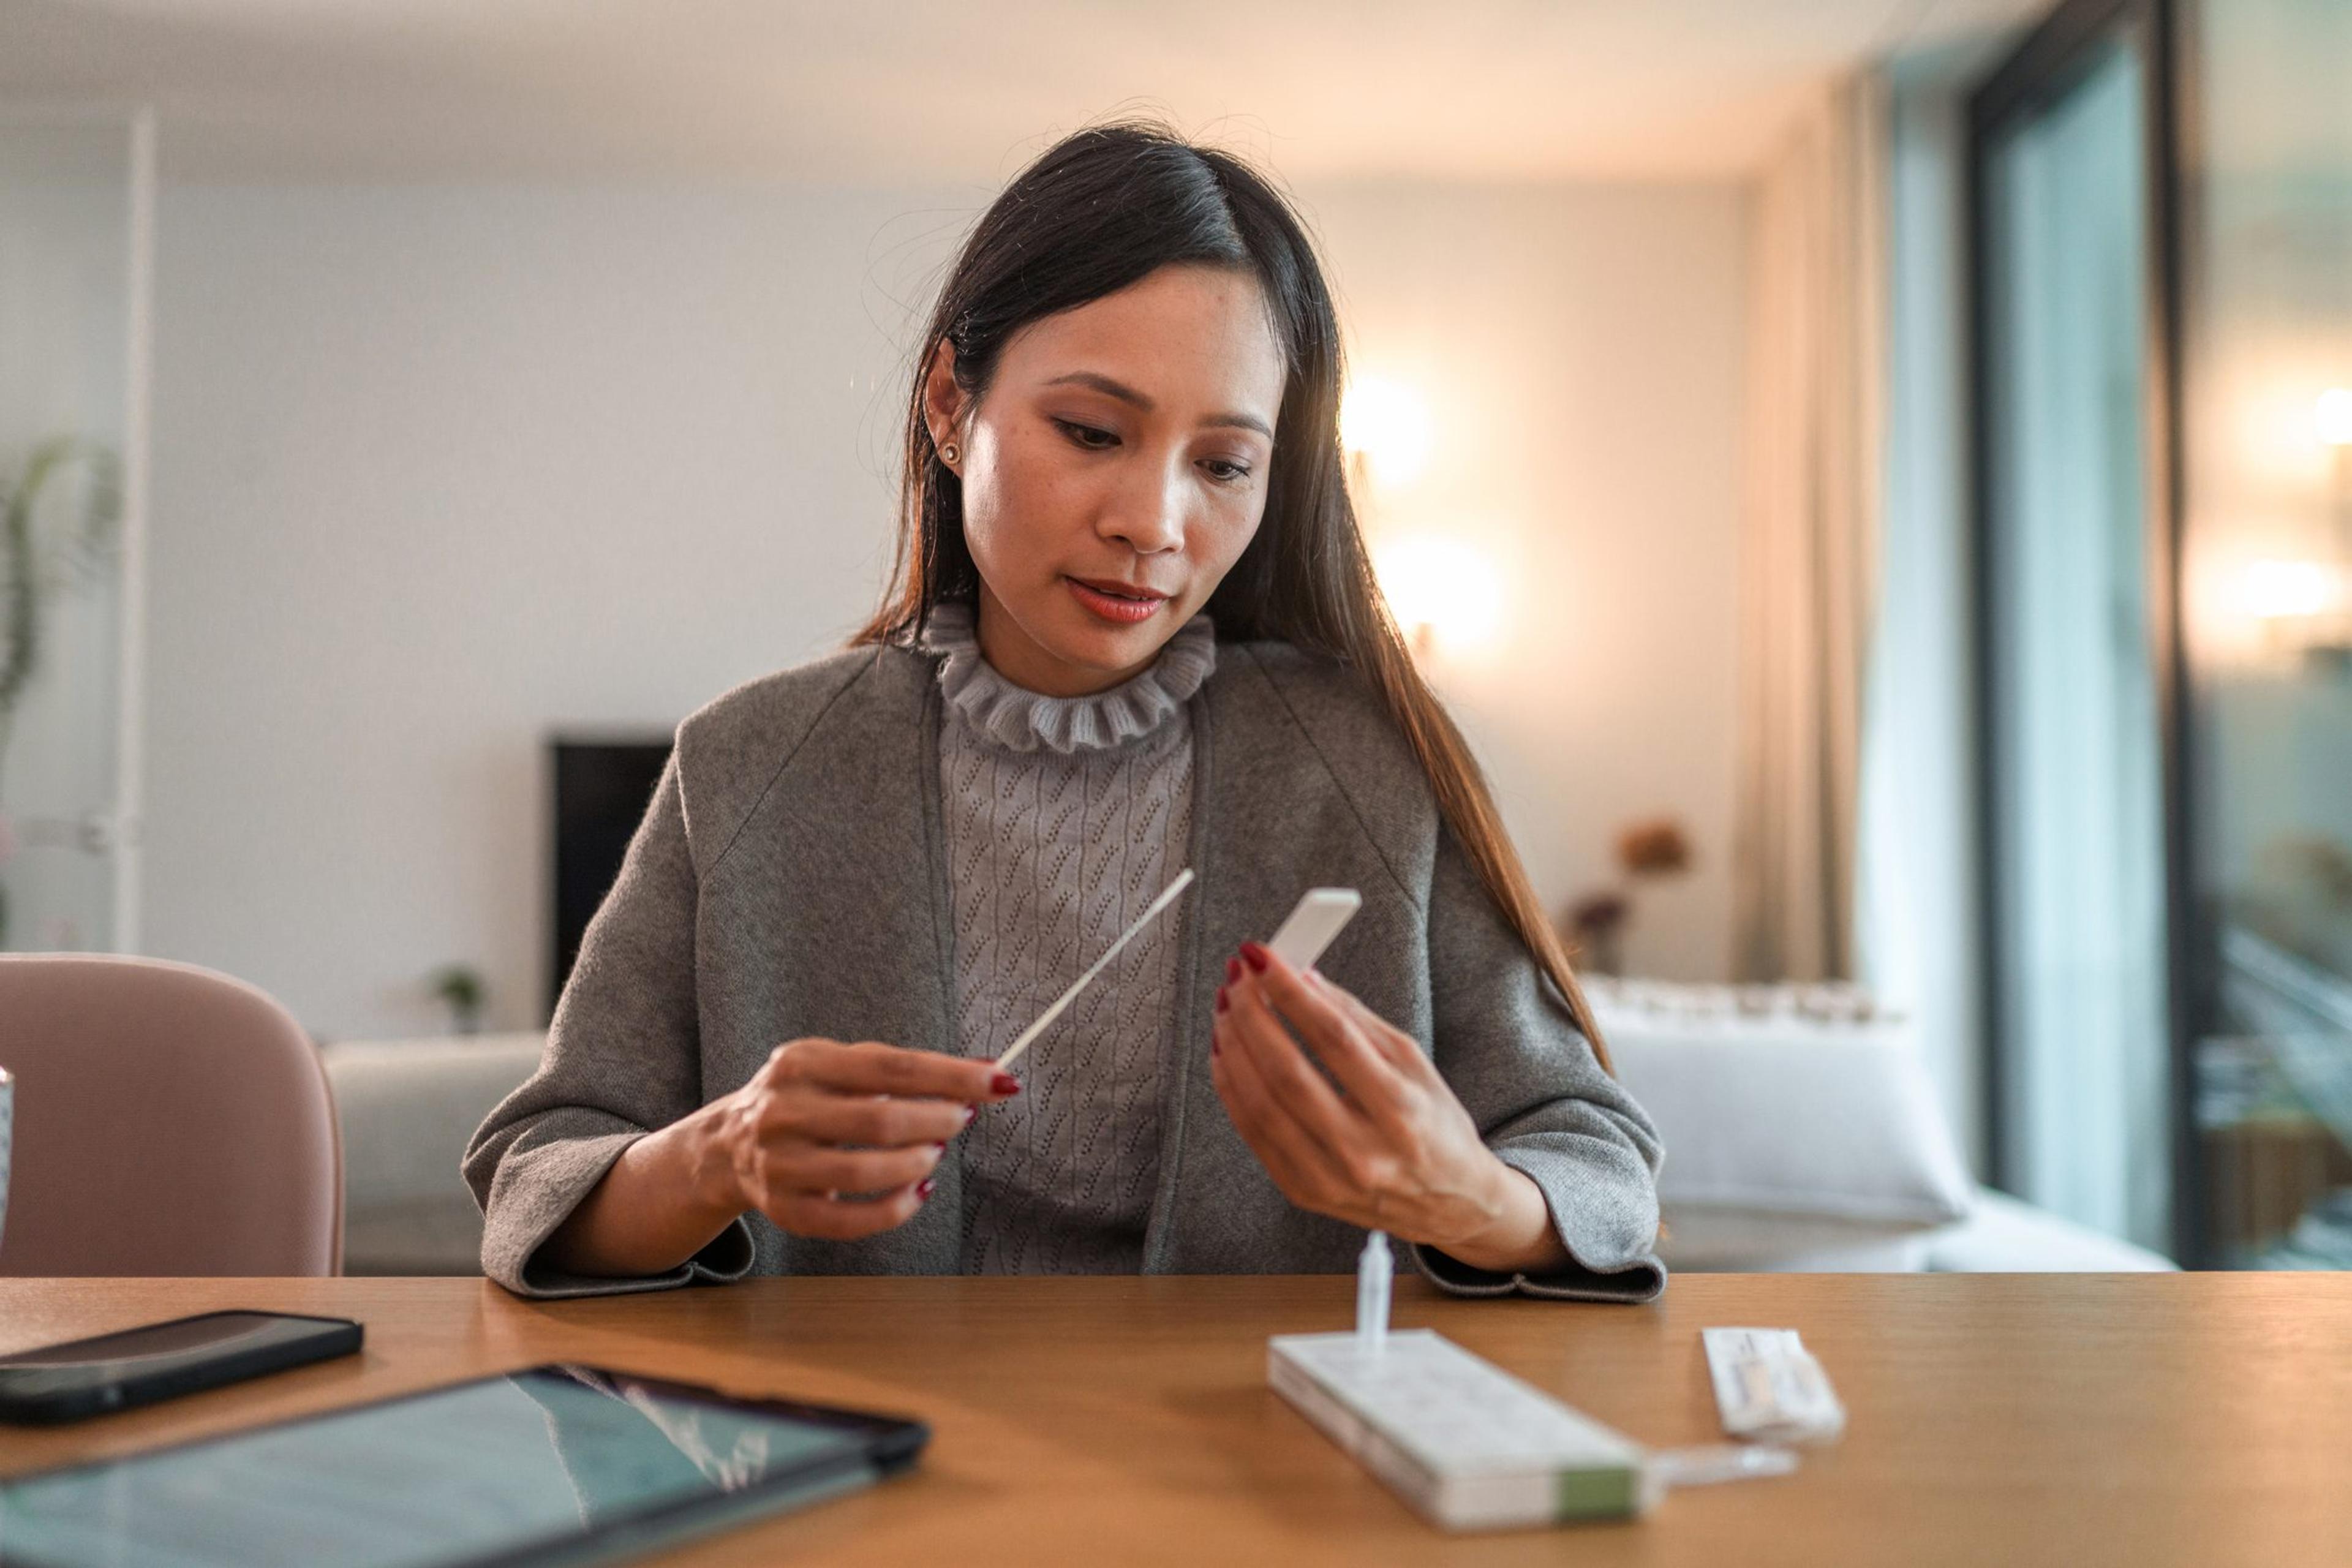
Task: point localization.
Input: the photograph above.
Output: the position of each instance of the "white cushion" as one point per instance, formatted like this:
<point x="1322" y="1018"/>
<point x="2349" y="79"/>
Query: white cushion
<point x="1792" y="1142"/>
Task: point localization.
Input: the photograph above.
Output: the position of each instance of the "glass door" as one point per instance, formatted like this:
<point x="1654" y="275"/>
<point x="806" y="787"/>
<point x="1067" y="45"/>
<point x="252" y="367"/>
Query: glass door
<point x="2268" y="539"/>
<point x="2075" y="624"/>
<point x="75" y="195"/>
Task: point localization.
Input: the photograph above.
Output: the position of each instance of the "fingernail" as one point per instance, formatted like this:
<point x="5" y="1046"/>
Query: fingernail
<point x="1255" y="954"/>
<point x="1004" y="1083"/>
<point x="1222" y="999"/>
<point x="941" y="1147"/>
<point x="968" y="1112"/>
<point x="1233" y="969"/>
<point x="1212" y="1046"/>
<point x="924" y="1188"/>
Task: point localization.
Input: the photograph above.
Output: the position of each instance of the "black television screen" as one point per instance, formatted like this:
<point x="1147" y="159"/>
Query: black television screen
<point x="602" y="790"/>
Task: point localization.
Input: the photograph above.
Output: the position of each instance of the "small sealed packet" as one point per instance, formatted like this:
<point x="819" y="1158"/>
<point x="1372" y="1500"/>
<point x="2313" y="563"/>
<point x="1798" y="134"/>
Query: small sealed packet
<point x="1769" y="1387"/>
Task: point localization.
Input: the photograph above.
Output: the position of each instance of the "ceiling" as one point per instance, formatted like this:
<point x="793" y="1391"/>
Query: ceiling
<point x="955" y="90"/>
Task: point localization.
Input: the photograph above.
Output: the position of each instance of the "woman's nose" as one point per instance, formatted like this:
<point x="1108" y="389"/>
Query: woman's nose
<point x="1149" y="511"/>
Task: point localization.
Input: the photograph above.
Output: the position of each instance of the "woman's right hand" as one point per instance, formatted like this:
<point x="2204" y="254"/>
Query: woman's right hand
<point x="838" y="1141"/>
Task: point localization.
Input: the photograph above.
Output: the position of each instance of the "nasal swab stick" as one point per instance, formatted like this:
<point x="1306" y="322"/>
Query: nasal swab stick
<point x="1167" y="897"/>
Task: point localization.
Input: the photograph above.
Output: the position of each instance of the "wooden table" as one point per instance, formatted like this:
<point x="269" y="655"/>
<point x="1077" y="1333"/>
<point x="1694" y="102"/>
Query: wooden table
<point x="2001" y="1419"/>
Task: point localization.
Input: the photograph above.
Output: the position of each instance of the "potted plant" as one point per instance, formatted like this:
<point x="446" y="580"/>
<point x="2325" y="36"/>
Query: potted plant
<point x="38" y="564"/>
<point x="461" y="987"/>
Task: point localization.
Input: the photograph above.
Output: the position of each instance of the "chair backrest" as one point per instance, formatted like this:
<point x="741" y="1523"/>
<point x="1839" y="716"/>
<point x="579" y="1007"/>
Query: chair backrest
<point x="170" y="1120"/>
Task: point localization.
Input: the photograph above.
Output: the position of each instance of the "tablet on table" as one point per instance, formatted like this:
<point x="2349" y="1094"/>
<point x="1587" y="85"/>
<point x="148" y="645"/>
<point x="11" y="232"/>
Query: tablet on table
<point x="553" y="1463"/>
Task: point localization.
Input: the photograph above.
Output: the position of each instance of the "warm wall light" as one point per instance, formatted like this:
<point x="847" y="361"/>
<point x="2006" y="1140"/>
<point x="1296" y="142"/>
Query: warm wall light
<point x="2285" y="590"/>
<point x="1387" y="423"/>
<point x="1440" y="590"/>
<point x="2332" y="417"/>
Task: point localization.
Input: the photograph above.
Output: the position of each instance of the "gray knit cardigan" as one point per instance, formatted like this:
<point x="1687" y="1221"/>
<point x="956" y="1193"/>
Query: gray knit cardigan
<point x="789" y="880"/>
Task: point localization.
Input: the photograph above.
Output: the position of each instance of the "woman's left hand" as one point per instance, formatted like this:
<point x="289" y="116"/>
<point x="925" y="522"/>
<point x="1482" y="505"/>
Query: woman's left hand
<point x="1389" y="1147"/>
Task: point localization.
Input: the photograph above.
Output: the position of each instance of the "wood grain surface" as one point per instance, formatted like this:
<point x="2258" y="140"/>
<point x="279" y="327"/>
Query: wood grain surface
<point x="1994" y="1419"/>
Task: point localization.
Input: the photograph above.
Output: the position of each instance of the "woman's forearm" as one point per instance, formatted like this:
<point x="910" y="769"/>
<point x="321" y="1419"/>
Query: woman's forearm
<point x="1521" y="1238"/>
<point x="662" y="1202"/>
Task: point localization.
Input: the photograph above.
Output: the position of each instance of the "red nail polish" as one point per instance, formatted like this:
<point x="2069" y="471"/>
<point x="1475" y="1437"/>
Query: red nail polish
<point x="968" y="1112"/>
<point x="1233" y="969"/>
<point x="1212" y="1046"/>
<point x="924" y="1188"/>
<point x="941" y="1147"/>
<point x="1221" y="998"/>
<point x="1004" y="1083"/>
<point x="1255" y="954"/>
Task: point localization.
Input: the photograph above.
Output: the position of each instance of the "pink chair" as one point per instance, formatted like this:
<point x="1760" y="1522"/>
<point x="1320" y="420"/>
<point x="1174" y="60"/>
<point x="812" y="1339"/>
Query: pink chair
<point x="170" y="1120"/>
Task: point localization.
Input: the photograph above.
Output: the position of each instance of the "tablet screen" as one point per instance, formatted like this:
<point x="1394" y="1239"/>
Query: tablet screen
<point x="499" y="1470"/>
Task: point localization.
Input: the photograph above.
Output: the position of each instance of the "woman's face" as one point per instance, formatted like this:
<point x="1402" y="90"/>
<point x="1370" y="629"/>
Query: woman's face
<point x="1113" y="471"/>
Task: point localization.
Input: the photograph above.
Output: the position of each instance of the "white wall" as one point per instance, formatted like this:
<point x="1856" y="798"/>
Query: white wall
<point x="438" y="467"/>
<point x="1580" y="348"/>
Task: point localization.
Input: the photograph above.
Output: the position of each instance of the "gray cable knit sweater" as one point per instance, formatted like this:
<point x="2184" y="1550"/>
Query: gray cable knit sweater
<point x="1064" y="817"/>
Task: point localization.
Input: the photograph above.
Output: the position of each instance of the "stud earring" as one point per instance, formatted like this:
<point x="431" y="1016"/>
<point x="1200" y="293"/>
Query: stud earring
<point x="947" y="454"/>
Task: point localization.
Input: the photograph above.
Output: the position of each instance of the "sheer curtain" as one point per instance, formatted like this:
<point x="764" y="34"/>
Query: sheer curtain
<point x="1808" y="570"/>
<point x="1917" y="917"/>
<point x="2078" y="891"/>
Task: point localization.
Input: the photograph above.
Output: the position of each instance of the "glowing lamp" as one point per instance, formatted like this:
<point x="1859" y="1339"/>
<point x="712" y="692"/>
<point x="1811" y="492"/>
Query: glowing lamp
<point x="2284" y="589"/>
<point x="2332" y="417"/>
<point x="1387" y="424"/>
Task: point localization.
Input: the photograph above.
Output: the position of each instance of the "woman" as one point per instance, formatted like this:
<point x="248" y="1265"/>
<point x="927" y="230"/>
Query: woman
<point x="1132" y="629"/>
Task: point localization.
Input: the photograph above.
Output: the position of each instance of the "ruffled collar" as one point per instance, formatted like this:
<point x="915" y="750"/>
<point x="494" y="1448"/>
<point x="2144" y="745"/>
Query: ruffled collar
<point x="1024" y="721"/>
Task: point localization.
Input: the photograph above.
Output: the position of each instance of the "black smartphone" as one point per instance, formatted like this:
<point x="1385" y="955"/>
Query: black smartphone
<point x="163" y="1361"/>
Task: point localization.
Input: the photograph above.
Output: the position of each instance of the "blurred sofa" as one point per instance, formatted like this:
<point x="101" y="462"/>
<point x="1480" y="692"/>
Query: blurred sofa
<point x="408" y="1108"/>
<point x="1803" y="1133"/>
<point x="1801" y="1130"/>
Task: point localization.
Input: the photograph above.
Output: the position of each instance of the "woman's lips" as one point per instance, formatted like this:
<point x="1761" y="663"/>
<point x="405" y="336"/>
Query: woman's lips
<point x="1126" y="612"/>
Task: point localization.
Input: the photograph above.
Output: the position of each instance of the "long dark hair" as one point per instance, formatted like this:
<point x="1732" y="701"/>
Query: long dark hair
<point x="1104" y="208"/>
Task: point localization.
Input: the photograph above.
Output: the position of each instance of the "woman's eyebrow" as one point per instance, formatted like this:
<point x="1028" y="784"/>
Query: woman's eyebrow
<point x="1129" y="395"/>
